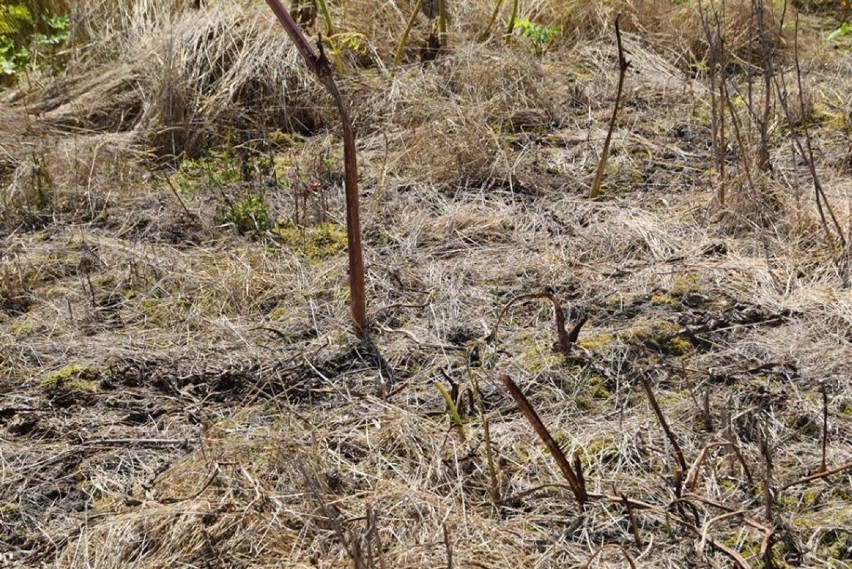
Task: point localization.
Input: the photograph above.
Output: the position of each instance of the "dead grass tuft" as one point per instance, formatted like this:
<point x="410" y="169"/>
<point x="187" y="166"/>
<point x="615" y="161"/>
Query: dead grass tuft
<point x="676" y="32"/>
<point x="70" y="178"/>
<point x="184" y="78"/>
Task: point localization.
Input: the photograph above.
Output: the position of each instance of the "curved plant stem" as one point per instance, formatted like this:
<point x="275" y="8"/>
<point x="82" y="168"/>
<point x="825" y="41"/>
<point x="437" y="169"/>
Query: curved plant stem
<point x="326" y="15"/>
<point x="319" y="66"/>
<point x="398" y="55"/>
<point x="511" y="26"/>
<point x="566" y="339"/>
<point x="487" y="32"/>
<point x="610" y="547"/>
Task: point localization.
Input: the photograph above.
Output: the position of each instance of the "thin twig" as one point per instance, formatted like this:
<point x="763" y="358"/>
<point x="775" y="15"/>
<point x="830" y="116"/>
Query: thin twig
<point x="631" y="518"/>
<point x="196" y="494"/>
<point x="749" y="521"/>
<point x="817" y="475"/>
<point x="331" y="514"/>
<point x="763" y="163"/>
<point x="665" y="514"/>
<point x="717" y="111"/>
<point x="766" y="550"/>
<point x="706" y="527"/>
<point x="623" y="64"/>
<point x="448" y="546"/>
<point x="766" y="451"/>
<point x="373" y="531"/>
<point x="665" y="425"/>
<point x="692" y="477"/>
<point x="176" y="194"/>
<point x="157" y="443"/>
<point x="606" y="547"/>
<point x="822" y="467"/>
<point x="819" y="194"/>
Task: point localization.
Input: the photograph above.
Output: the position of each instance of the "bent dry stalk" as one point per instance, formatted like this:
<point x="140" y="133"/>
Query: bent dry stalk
<point x="566" y="339"/>
<point x="319" y="66"/>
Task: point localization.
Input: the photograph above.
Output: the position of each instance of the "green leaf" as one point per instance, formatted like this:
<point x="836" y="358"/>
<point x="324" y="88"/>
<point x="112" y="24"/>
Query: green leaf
<point x="541" y="36"/>
<point x="7" y="66"/>
<point x="845" y="29"/>
<point x="14" y="19"/>
<point x="22" y="57"/>
<point x="59" y="23"/>
<point x="20" y="13"/>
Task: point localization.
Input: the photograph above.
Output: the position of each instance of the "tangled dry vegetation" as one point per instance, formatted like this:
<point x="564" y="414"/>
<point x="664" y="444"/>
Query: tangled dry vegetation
<point x="180" y="384"/>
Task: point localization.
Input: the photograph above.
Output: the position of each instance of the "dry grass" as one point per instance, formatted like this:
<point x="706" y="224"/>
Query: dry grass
<point x="233" y="419"/>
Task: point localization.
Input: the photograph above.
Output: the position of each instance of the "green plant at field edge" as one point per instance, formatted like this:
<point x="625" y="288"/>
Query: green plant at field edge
<point x="239" y="180"/>
<point x="249" y="214"/>
<point x="844" y="30"/>
<point x="28" y="42"/>
<point x="541" y="36"/>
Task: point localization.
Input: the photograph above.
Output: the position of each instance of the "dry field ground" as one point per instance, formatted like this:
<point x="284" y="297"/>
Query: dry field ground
<point x="180" y="384"/>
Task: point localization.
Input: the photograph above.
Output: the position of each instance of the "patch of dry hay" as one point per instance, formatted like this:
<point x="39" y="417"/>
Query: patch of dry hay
<point x="183" y="77"/>
<point x="186" y="77"/>
<point x="676" y="32"/>
<point x="69" y="178"/>
<point x="242" y="345"/>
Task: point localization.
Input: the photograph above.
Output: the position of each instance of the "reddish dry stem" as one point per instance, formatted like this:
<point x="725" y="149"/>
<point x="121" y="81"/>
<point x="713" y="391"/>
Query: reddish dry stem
<point x="318" y="65"/>
<point x="574" y="482"/>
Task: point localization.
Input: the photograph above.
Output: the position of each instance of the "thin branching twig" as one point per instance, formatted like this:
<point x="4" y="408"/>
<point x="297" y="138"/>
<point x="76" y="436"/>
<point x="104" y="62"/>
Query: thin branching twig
<point x="692" y="477"/>
<point x="822" y="467"/>
<point x="817" y="475"/>
<point x="805" y="150"/>
<point x="609" y="547"/>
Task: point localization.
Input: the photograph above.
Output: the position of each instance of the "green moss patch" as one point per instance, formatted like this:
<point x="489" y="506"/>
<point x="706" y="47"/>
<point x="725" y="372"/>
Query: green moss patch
<point x="596" y="392"/>
<point x="71" y="378"/>
<point x="684" y="284"/>
<point x="316" y="243"/>
<point x="662" y="299"/>
<point x="661" y="335"/>
<point x="597" y="341"/>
